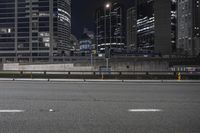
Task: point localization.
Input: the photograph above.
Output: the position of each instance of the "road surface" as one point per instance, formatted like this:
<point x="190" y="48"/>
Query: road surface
<point x="75" y="107"/>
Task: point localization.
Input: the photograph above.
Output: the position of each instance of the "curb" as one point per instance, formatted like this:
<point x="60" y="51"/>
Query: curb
<point x="100" y="80"/>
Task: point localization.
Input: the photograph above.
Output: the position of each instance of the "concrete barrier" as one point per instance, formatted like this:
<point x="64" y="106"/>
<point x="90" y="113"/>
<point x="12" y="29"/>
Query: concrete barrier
<point x="44" y="67"/>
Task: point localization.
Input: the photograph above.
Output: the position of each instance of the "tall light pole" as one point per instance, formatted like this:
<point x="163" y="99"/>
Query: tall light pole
<point x="107" y="6"/>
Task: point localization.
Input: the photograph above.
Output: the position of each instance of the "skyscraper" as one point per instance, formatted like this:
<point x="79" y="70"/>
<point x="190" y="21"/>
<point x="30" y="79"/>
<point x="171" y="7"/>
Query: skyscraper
<point x="145" y="25"/>
<point x="34" y="27"/>
<point x="156" y="26"/>
<point x="131" y="28"/>
<point x="110" y="27"/>
<point x="189" y="27"/>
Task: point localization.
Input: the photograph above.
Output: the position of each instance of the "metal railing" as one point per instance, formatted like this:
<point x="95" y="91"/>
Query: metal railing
<point x="100" y="74"/>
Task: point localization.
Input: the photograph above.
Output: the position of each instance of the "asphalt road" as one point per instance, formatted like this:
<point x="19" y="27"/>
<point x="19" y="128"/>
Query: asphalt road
<point x="99" y="107"/>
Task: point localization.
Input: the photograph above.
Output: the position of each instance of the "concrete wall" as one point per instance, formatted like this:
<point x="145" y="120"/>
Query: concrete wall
<point x="45" y="67"/>
<point x="115" y="64"/>
<point x="135" y="65"/>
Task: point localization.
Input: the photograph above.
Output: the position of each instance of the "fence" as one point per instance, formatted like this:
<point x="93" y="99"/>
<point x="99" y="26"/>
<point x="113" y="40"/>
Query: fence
<point x="100" y="75"/>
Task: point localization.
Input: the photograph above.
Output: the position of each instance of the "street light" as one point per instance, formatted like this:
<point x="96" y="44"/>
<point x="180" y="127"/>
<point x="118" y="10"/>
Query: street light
<point x="107" y="5"/>
<point x="107" y="51"/>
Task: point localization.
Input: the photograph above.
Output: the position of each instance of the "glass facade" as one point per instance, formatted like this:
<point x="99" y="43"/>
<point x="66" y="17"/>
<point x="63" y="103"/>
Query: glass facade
<point x="174" y="25"/>
<point x="110" y="28"/>
<point x="63" y="24"/>
<point x="34" y="28"/>
<point x="131" y="28"/>
<point x="189" y="27"/>
<point x="145" y="26"/>
<point x="7" y="26"/>
<point x="154" y="25"/>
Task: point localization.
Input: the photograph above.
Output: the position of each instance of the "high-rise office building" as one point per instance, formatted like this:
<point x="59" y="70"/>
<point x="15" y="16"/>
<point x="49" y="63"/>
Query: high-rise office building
<point x="34" y="27"/>
<point x="156" y="26"/>
<point x="189" y="27"/>
<point x="110" y="27"/>
<point x="131" y="28"/>
<point x="145" y="25"/>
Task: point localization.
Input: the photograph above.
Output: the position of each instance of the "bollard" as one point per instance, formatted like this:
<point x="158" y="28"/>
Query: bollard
<point x="179" y="76"/>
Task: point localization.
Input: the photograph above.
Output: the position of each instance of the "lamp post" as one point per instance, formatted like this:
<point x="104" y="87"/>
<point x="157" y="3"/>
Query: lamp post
<point x="108" y="6"/>
<point x="107" y="50"/>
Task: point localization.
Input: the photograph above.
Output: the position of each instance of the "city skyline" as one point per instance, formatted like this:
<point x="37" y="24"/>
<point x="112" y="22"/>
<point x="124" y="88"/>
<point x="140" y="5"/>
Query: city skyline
<point x="83" y="13"/>
<point x="43" y="28"/>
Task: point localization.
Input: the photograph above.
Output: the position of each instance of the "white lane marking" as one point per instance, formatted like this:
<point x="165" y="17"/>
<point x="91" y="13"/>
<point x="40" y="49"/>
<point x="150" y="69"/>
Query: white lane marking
<point x="12" y="111"/>
<point x="145" y="110"/>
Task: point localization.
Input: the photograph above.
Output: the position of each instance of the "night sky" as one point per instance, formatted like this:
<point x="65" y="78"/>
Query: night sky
<point x="83" y="13"/>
